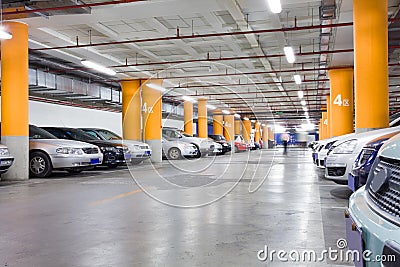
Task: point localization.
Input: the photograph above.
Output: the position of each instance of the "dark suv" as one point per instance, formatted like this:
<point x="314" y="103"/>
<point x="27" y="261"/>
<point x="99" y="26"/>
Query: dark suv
<point x="226" y="147"/>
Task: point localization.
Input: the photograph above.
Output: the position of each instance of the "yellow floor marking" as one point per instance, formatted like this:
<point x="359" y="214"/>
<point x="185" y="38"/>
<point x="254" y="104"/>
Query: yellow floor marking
<point x="104" y="200"/>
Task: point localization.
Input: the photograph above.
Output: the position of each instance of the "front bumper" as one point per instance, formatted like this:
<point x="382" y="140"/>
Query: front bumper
<point x="337" y="167"/>
<point x="140" y="154"/>
<point x="5" y="164"/>
<point x="366" y="230"/>
<point x="189" y="152"/>
<point x="63" y="161"/>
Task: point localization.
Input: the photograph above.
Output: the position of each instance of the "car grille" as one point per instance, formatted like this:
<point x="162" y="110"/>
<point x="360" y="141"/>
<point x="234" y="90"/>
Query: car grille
<point x="90" y="150"/>
<point x="336" y="171"/>
<point x="144" y="147"/>
<point x="366" y="154"/>
<point x="387" y="199"/>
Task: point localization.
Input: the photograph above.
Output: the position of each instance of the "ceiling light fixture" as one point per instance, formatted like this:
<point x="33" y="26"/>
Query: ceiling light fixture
<point x="303" y="102"/>
<point x="297" y="79"/>
<point x="245" y="119"/>
<point x="305" y="108"/>
<point x="226" y="112"/>
<point x="237" y="115"/>
<point x="211" y="107"/>
<point x="188" y="98"/>
<point x="300" y="94"/>
<point x="289" y="53"/>
<point x="156" y="87"/>
<point x="98" y="67"/>
<point x="275" y="6"/>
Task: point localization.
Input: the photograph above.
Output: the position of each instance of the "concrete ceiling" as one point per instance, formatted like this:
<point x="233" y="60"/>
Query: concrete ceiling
<point x="245" y="72"/>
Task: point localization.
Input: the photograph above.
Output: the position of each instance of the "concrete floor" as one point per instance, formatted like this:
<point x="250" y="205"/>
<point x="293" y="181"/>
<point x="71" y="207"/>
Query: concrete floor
<point x="203" y="212"/>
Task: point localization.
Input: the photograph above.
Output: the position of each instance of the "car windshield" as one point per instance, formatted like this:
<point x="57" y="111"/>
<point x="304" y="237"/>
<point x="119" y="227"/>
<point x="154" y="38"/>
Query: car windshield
<point x="38" y="133"/>
<point x="109" y="135"/>
<point x="186" y="135"/>
<point x="394" y="116"/>
<point x="78" y="134"/>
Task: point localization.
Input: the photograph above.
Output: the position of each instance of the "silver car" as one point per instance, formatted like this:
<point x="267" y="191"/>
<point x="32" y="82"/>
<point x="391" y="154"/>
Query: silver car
<point x="204" y="145"/>
<point x="46" y="153"/>
<point x="139" y="150"/>
<point x="175" y="149"/>
<point x="6" y="160"/>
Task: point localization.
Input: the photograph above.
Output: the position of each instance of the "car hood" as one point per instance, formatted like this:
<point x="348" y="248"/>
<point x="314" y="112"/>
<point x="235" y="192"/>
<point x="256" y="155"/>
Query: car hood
<point x="60" y="143"/>
<point x="391" y="149"/>
<point x="366" y="137"/>
<point x="103" y="143"/>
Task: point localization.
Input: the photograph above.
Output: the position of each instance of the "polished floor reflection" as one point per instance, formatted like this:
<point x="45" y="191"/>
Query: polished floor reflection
<point x="205" y="212"/>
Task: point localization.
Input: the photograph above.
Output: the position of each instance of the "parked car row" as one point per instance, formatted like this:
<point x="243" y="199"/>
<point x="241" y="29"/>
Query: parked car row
<point x="369" y="163"/>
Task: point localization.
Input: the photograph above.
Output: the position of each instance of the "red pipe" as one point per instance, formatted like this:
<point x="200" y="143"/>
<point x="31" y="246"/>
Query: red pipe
<point x="47" y="9"/>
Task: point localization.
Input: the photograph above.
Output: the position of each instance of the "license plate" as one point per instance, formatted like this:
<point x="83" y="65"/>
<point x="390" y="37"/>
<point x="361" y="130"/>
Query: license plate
<point x="354" y="240"/>
<point x="148" y="152"/>
<point x="94" y="161"/>
<point x="128" y="156"/>
<point x="5" y="162"/>
<point x="352" y="182"/>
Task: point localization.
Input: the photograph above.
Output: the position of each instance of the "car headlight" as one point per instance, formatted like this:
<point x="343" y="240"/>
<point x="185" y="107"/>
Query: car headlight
<point x="345" y="147"/>
<point x="108" y="149"/>
<point x="136" y="147"/>
<point x="4" y="152"/>
<point x="69" y="150"/>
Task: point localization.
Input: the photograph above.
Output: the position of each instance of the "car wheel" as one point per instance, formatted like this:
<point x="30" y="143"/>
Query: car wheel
<point x="198" y="149"/>
<point x="112" y="165"/>
<point x="39" y="164"/>
<point x="74" y="171"/>
<point x="174" y="153"/>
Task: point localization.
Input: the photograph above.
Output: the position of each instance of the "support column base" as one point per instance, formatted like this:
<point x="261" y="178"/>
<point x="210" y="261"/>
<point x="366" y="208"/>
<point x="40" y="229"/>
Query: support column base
<point x="156" y="150"/>
<point x="19" y="149"/>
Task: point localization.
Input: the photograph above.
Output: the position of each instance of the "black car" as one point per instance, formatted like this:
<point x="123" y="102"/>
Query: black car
<point x="114" y="154"/>
<point x="226" y="147"/>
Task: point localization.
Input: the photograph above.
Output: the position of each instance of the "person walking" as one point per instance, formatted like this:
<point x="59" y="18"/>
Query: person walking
<point x="285" y="141"/>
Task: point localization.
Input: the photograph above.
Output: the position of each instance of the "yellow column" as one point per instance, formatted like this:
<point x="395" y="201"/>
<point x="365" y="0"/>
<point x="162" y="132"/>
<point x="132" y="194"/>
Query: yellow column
<point x="320" y="130"/>
<point x="229" y="132"/>
<point x="217" y="123"/>
<point x="131" y="112"/>
<point x="202" y="125"/>
<point x="14" y="99"/>
<point x="341" y="103"/>
<point x="325" y="124"/>
<point x="271" y="135"/>
<point x="188" y="117"/>
<point x="246" y="130"/>
<point x="265" y="136"/>
<point x="371" y="64"/>
<point x="238" y="125"/>
<point x="328" y="116"/>
<point x="257" y="132"/>
<point x="151" y="110"/>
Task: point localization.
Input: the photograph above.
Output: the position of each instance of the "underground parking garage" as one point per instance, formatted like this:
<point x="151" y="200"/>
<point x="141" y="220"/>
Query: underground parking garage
<point x="200" y="133"/>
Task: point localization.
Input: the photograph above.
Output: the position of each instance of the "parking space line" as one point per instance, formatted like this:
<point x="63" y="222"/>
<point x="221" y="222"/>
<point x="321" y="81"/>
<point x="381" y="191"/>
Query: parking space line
<point x="105" y="200"/>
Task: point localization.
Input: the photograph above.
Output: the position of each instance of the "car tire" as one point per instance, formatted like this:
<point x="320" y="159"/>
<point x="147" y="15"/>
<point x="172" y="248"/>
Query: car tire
<point x="112" y="165"/>
<point x="74" y="171"/>
<point x="198" y="149"/>
<point x="40" y="165"/>
<point x="174" y="153"/>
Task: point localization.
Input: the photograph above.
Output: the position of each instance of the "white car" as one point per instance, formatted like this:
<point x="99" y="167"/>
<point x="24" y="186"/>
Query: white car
<point x="6" y="160"/>
<point x="175" y="149"/>
<point x="139" y="150"/>
<point x="324" y="148"/>
<point x="204" y="145"/>
<point x="341" y="157"/>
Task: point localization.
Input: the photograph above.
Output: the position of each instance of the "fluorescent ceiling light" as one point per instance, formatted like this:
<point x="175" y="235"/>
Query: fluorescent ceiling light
<point x="253" y="121"/>
<point x="300" y="94"/>
<point x="226" y="112"/>
<point x="98" y="67"/>
<point x="188" y="98"/>
<point x="297" y="79"/>
<point x="245" y="119"/>
<point x="263" y="124"/>
<point x="237" y="115"/>
<point x="275" y="6"/>
<point x="210" y="107"/>
<point x="303" y="102"/>
<point x="307" y="115"/>
<point x="156" y="86"/>
<point x="4" y="35"/>
<point x="289" y="53"/>
<point x="305" y="108"/>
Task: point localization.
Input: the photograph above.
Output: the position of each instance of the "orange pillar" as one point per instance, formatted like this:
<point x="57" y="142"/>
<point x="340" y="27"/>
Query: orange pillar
<point x="265" y="136"/>
<point x="14" y="99"/>
<point x="188" y="117"/>
<point x="341" y="104"/>
<point x="371" y="64"/>
<point x="238" y="125"/>
<point x="131" y="112"/>
<point x="229" y="131"/>
<point x="151" y="110"/>
<point x="257" y="132"/>
<point x="328" y="117"/>
<point x="202" y="126"/>
<point x="217" y="123"/>
<point x="325" y="124"/>
<point x="246" y="130"/>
